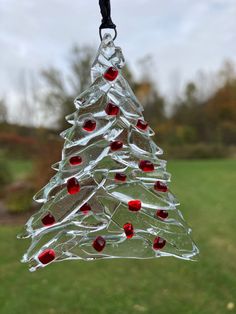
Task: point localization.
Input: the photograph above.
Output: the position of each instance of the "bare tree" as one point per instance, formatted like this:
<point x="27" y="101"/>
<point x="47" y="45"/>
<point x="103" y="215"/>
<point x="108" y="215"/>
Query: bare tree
<point x="61" y="89"/>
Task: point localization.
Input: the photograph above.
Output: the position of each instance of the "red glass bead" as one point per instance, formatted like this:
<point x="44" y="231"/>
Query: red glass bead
<point x="48" y="220"/>
<point x="47" y="256"/>
<point x="111" y="74"/>
<point x="163" y="214"/>
<point x="134" y="205"/>
<point x="89" y="125"/>
<point x="129" y="230"/>
<point x="85" y="208"/>
<point x="160" y="186"/>
<point x="75" y="160"/>
<point x="73" y="186"/>
<point x="116" y="145"/>
<point x="142" y="125"/>
<point x="146" y="166"/>
<point x="112" y="110"/>
<point x="158" y="243"/>
<point x="99" y="243"/>
<point x="120" y="177"/>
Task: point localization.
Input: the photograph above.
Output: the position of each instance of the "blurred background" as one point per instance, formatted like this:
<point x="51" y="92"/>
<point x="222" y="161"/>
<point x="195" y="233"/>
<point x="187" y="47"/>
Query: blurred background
<point x="181" y="64"/>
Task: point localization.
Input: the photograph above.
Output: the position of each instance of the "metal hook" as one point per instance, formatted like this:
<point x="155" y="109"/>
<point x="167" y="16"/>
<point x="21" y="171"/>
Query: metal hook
<point x="100" y="33"/>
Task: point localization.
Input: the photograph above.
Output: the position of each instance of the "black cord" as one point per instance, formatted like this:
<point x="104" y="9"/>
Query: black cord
<point x="105" y="7"/>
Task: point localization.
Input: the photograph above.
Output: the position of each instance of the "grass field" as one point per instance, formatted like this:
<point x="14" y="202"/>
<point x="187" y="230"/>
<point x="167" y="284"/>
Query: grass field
<point x="19" y="168"/>
<point x="163" y="286"/>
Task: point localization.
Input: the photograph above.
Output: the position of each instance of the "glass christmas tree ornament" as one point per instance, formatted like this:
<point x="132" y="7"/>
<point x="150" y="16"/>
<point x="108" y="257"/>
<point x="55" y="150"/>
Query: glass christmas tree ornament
<point x="110" y="199"/>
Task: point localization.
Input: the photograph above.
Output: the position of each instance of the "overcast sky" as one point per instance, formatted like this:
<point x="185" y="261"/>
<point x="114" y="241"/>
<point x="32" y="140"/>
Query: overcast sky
<point x="183" y="36"/>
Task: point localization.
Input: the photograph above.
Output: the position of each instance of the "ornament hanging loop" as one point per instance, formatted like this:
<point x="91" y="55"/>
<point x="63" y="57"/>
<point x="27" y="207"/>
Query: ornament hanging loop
<point x="105" y="7"/>
<point x="100" y="33"/>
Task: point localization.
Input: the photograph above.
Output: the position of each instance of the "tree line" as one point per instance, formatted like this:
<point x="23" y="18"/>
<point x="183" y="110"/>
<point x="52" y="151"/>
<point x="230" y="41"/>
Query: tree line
<point x="199" y="124"/>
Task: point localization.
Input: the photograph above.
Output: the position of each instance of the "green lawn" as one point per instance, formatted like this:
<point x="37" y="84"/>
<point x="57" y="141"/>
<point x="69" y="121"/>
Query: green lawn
<point x="19" y="168"/>
<point x="207" y="193"/>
